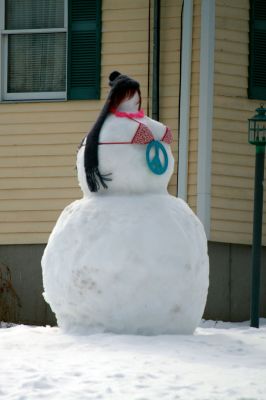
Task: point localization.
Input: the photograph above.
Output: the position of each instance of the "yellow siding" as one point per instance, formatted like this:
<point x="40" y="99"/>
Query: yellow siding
<point x="233" y="158"/>
<point x="169" y="72"/>
<point x="194" y="107"/>
<point x="38" y="141"/>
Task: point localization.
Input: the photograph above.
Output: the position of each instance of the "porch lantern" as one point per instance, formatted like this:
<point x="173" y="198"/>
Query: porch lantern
<point x="257" y="137"/>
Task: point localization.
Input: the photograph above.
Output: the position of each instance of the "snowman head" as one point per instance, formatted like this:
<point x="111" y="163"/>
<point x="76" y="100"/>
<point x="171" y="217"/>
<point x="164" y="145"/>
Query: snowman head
<point x="130" y="103"/>
<point x="124" y="96"/>
<point x="125" y="93"/>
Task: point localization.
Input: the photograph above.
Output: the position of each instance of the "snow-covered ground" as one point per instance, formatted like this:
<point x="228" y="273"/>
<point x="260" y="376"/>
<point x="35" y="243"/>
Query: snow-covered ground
<point x="220" y="361"/>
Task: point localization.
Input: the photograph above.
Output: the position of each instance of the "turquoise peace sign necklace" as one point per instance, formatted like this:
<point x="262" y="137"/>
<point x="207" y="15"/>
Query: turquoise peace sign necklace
<point x="153" y="151"/>
<point x="156" y="155"/>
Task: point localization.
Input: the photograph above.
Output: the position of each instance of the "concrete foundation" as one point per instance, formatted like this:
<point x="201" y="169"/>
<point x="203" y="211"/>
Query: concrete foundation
<point x="21" y="298"/>
<point x="24" y="262"/>
<point x="230" y="282"/>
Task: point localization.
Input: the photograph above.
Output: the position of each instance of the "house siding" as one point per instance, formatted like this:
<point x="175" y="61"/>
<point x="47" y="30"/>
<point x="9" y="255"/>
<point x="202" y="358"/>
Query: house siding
<point x="194" y="108"/>
<point x="233" y="159"/>
<point x="38" y="141"/>
<point x="170" y="73"/>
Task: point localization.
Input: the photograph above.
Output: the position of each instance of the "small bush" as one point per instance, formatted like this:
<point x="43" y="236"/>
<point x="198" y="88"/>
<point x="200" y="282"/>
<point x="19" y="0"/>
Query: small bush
<point x="9" y="301"/>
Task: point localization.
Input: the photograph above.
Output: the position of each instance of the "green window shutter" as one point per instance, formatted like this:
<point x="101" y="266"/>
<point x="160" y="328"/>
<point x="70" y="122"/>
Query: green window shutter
<point x="84" y="49"/>
<point x="257" y="50"/>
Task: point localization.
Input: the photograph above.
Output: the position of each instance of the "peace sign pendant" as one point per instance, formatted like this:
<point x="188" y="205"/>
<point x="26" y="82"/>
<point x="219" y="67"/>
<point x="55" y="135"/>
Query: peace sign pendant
<point x="155" y="151"/>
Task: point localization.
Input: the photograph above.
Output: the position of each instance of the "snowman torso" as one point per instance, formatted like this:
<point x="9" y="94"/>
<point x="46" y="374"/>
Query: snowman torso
<point x="126" y="161"/>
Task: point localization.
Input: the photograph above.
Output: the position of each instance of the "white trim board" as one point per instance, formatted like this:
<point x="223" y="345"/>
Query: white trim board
<point x="207" y="46"/>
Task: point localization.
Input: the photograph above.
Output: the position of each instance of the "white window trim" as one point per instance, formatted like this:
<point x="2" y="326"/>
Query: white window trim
<point x="22" y="31"/>
<point x="4" y="95"/>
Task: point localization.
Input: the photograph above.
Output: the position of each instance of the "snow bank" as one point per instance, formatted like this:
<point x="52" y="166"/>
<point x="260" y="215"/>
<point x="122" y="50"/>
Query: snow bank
<point x="220" y="361"/>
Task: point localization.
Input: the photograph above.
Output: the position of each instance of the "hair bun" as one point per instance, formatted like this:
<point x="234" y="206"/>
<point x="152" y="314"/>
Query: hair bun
<point x="113" y="76"/>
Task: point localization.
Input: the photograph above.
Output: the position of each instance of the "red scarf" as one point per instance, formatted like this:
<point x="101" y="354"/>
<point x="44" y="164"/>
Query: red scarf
<point x="124" y="114"/>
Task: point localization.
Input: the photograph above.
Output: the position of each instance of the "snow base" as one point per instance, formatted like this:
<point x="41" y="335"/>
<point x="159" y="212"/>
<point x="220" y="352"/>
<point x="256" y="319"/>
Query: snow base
<point x="127" y="264"/>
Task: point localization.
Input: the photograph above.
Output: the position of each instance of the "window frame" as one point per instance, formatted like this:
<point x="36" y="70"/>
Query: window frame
<point x="4" y="33"/>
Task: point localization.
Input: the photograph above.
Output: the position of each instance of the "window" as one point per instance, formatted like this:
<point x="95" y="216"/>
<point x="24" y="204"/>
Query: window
<point x="257" y="50"/>
<point x="50" y="49"/>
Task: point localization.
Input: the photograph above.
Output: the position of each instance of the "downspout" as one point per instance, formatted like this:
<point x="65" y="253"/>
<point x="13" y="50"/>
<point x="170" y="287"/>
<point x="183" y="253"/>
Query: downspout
<point x="156" y="61"/>
<point x="207" y="45"/>
<point x="184" y="100"/>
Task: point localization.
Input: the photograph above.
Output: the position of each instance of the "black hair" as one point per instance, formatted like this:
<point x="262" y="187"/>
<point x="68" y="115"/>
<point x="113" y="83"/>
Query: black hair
<point x="122" y="86"/>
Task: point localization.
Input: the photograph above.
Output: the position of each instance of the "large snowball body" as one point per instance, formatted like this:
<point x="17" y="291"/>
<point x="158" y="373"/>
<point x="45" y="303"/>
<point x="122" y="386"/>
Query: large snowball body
<point x="129" y="259"/>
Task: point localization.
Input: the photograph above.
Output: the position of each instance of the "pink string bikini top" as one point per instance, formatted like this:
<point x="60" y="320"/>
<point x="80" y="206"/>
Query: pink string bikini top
<point x="144" y="135"/>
